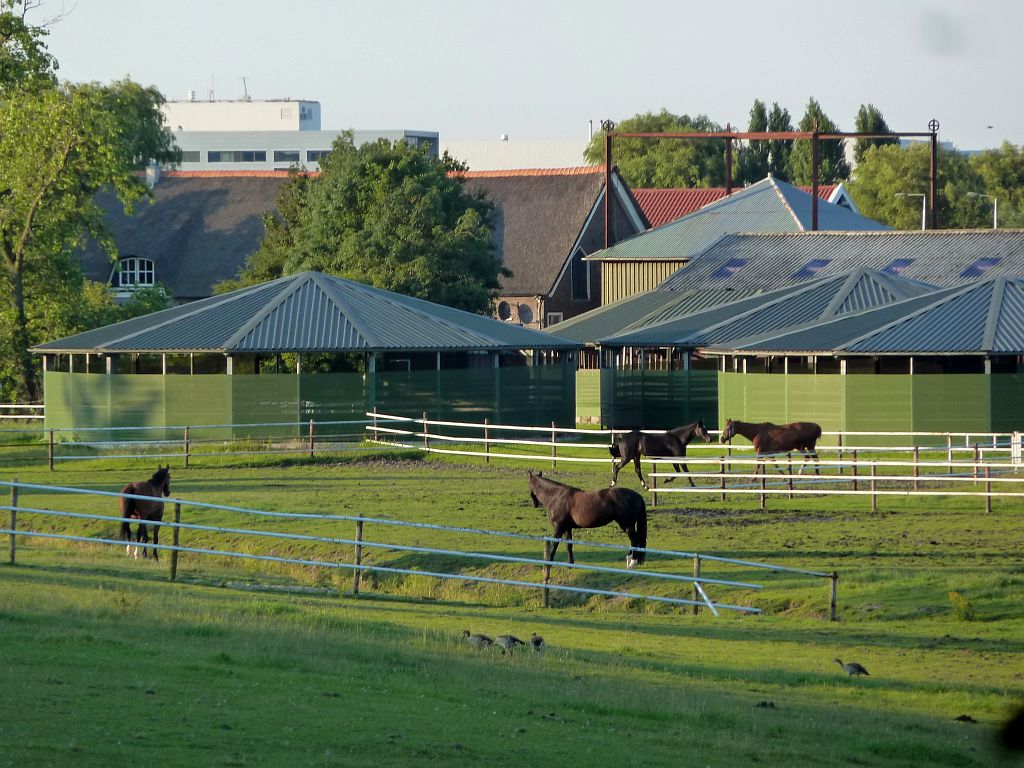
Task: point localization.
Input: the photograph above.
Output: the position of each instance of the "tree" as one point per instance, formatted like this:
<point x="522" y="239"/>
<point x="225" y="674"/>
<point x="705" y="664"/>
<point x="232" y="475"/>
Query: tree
<point x="869" y="120"/>
<point x="891" y="169"/>
<point x="1002" y="176"/>
<point x="832" y="166"/>
<point x="760" y="158"/>
<point x="388" y="215"/>
<point x="664" y="163"/>
<point x="59" y="146"/>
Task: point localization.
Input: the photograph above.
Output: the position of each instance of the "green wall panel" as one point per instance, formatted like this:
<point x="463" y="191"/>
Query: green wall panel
<point x="1007" y="402"/>
<point x="878" y="404"/>
<point x="588" y="396"/>
<point x="191" y="400"/>
<point x="657" y="399"/>
<point x="821" y="399"/>
<point x="952" y="403"/>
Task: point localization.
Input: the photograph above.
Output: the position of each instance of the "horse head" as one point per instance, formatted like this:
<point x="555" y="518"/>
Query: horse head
<point x="533" y="496"/>
<point x="728" y="432"/>
<point x="701" y="431"/>
<point x="162" y="480"/>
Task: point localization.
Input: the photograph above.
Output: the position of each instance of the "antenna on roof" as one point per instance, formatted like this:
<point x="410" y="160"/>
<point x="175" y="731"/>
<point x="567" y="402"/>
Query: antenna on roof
<point x="245" y="91"/>
<point x="211" y="88"/>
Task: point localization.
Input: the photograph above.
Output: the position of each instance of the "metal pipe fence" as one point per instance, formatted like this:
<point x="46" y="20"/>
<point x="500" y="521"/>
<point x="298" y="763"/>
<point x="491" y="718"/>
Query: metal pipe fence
<point x="699" y="582"/>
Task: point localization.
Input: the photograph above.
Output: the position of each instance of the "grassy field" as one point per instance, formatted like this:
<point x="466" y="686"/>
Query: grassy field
<point x="255" y="663"/>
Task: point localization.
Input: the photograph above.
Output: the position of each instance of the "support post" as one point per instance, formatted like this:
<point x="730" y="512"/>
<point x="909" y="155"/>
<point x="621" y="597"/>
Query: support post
<point x="976" y="458"/>
<point x="376" y="436"/>
<point x="547" y="575"/>
<point x="311" y="434"/>
<point x="789" y="479"/>
<point x="357" y="573"/>
<point x="949" y="448"/>
<point x="654" y="484"/>
<point x="49" y="451"/>
<point x="554" y="441"/>
<point x="874" y="497"/>
<point x="917" y="466"/>
<point x="487" y="441"/>
<point x="840" y="453"/>
<point x="764" y="483"/>
<point x="832" y="588"/>
<point x="696" y="575"/>
<point x="988" y="490"/>
<point x="14" y="520"/>
<point x="853" y="467"/>
<point x="721" y="476"/>
<point x="426" y="440"/>
<point x="175" y="538"/>
<point x="186" y="446"/>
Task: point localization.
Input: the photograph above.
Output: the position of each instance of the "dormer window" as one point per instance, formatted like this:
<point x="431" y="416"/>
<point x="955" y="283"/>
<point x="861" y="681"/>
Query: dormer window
<point x="134" y="272"/>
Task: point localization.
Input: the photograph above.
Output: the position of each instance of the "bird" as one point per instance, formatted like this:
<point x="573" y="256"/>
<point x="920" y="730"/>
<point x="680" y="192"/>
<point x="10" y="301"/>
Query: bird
<point x="478" y="640"/>
<point x="536" y="642"/>
<point x="852" y="668"/>
<point x="508" y="642"/>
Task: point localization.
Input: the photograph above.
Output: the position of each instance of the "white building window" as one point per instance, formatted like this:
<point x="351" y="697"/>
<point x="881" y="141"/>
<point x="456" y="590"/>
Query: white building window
<point x="133" y="272"/>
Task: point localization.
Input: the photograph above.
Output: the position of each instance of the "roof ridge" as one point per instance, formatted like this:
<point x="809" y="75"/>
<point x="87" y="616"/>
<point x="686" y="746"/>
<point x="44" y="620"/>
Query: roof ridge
<point x="580" y="170"/>
<point x="275" y="301"/>
<point x="273" y="174"/>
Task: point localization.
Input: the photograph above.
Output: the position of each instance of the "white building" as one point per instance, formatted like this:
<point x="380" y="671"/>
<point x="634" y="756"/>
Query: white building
<point x="243" y="115"/>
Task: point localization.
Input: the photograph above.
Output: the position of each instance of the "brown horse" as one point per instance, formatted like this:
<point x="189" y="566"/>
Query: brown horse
<point x="570" y="508"/>
<point x="143" y="510"/>
<point x="772" y="439"/>
<point x="632" y="445"/>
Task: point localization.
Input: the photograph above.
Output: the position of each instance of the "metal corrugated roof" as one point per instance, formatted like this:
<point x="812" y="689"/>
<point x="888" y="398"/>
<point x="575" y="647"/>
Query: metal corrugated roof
<point x="985" y="317"/>
<point x="661" y="206"/>
<point x="939" y="257"/>
<point x="767" y="206"/>
<point x="796" y="305"/>
<point x="308" y="312"/>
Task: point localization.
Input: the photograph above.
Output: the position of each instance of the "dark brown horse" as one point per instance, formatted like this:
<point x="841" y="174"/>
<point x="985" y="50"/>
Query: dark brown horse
<point x="144" y="510"/>
<point x="570" y="508"/>
<point x="772" y="439"/>
<point x="632" y="445"/>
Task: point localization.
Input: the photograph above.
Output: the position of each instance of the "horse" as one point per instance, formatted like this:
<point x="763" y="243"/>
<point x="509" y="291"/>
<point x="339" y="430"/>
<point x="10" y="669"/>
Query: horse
<point x="634" y="444"/>
<point x="769" y="439"/>
<point x="570" y="508"/>
<point x="143" y="510"/>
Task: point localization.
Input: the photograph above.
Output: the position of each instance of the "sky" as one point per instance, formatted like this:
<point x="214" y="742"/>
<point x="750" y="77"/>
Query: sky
<point x="544" y="69"/>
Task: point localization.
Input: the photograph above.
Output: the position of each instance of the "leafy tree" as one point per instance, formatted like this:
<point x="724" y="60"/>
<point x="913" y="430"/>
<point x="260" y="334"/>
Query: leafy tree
<point x="664" y="163"/>
<point x="1002" y="176"/>
<point x="869" y="120"/>
<point x="760" y="158"/>
<point x="891" y="169"/>
<point x="59" y="145"/>
<point x="832" y="166"/>
<point x="388" y="215"/>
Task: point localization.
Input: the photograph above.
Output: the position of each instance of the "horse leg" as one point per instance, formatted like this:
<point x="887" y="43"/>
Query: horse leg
<point x="568" y="544"/>
<point x="156" y="540"/>
<point x="616" y="466"/>
<point x="636" y="464"/>
<point x="143" y="539"/>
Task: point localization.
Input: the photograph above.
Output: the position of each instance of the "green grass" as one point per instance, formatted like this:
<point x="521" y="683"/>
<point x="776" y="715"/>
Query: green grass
<point x="253" y="663"/>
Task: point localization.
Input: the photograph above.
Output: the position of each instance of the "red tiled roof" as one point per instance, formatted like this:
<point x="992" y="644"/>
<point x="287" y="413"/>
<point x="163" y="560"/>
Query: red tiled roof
<point x="231" y="174"/>
<point x="661" y="206"/>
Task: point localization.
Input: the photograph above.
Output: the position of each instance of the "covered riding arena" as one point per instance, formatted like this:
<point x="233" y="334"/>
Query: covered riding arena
<point x="307" y="346"/>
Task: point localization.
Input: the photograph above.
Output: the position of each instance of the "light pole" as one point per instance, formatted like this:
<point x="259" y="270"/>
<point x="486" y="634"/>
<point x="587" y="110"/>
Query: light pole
<point x="995" y="206"/>
<point x="924" y="203"/>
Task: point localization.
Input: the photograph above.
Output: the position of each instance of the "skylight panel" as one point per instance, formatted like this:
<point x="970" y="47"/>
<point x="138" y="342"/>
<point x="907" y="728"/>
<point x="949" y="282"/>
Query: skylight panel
<point x="980" y="266"/>
<point x="731" y="267"/>
<point x="810" y="269"/>
<point x="896" y="266"/>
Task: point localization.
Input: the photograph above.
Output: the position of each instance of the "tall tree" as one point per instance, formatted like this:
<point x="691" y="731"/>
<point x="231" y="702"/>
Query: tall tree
<point x="759" y="158"/>
<point x="388" y="215"/>
<point x="869" y="120"/>
<point x="59" y="146"/>
<point x="832" y="166"/>
<point x="1002" y="175"/>
<point x="665" y="163"/>
<point x="890" y="180"/>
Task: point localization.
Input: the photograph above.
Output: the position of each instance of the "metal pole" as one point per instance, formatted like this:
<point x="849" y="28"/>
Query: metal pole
<point x="840" y="453"/>
<point x="376" y="437"/>
<point x="487" y="438"/>
<point x="654" y="484"/>
<point x="832" y="580"/>
<point x="311" y="438"/>
<point x="854" y="468"/>
<point x="917" y="468"/>
<point x="874" y="497"/>
<point x="14" y="519"/>
<point x="728" y="162"/>
<point x="426" y="440"/>
<point x="815" y="161"/>
<point x="186" y="446"/>
<point x="988" y="490"/>
<point x="931" y="172"/>
<point x="358" y="558"/>
<point x="696" y="575"/>
<point x="50" y="451"/>
<point x="175" y="537"/>
<point x="607" y="187"/>
<point x="949" y="448"/>
<point x="975" y="468"/>
<point x="554" y="440"/>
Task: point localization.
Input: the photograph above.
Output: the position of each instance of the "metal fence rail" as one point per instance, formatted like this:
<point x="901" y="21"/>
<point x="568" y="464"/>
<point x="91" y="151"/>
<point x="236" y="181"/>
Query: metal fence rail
<point x="698" y="582"/>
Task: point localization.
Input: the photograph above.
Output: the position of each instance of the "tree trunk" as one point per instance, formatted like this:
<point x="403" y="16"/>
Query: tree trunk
<point x="25" y="371"/>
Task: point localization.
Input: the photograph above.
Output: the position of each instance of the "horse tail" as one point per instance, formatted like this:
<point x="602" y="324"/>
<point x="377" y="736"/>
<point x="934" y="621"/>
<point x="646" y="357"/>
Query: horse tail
<point x="639" y="509"/>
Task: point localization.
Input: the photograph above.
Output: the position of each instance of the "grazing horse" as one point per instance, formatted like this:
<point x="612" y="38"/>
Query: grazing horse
<point x="773" y="439"/>
<point x="570" y="508"/>
<point x="143" y="510"/>
<point x="633" y="445"/>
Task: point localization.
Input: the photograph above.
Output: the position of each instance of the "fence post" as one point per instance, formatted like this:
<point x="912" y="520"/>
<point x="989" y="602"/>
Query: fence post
<point x="874" y="498"/>
<point x="376" y="436"/>
<point x="840" y="453"/>
<point x="358" y="558"/>
<point x="487" y="443"/>
<point x="721" y="475"/>
<point x="547" y="576"/>
<point x="696" y="575"/>
<point x="654" y="484"/>
<point x="853" y="468"/>
<point x="976" y="457"/>
<point x="917" y="468"/>
<point x="988" y="490"/>
<point x="764" y="467"/>
<point x="728" y="452"/>
<point x="49" y="453"/>
<point x="949" y="448"/>
<point x="789" y="480"/>
<point x="175" y="538"/>
<point x="311" y="438"/>
<point x="14" y="519"/>
<point x="554" y="440"/>
<point x="832" y="596"/>
<point x="186" y="446"/>
<point x="426" y="440"/>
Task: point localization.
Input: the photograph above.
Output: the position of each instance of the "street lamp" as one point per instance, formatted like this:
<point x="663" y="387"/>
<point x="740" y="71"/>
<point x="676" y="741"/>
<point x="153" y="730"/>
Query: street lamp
<point x="995" y="206"/>
<point x="924" y="202"/>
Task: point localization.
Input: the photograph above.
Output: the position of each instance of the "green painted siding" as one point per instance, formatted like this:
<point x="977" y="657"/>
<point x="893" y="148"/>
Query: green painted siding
<point x="658" y="399"/>
<point x="1007" y="402"/>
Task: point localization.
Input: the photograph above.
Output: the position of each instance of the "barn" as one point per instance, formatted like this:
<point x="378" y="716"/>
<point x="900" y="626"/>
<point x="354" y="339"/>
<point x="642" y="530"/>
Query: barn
<point x="306" y="346"/>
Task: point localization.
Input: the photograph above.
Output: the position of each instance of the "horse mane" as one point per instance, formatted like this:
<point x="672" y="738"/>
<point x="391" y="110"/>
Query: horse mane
<point x="549" y="481"/>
